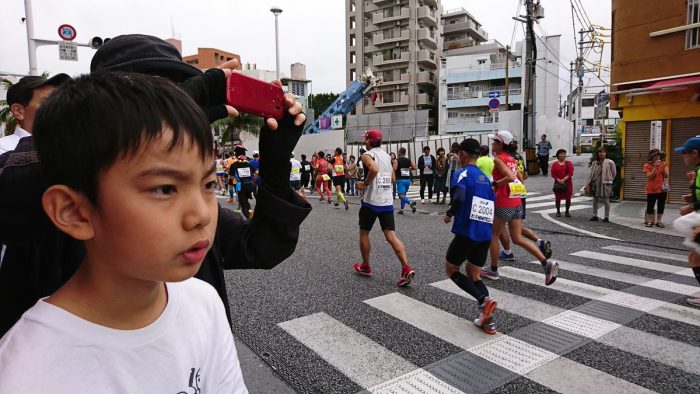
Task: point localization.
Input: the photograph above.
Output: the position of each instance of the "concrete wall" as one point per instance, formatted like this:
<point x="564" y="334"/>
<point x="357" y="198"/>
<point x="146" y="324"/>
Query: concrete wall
<point x="326" y="141"/>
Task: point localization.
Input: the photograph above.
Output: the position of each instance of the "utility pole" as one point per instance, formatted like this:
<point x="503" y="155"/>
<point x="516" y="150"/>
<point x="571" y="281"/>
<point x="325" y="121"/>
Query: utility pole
<point x="507" y="81"/>
<point x="580" y="71"/>
<point x="571" y="89"/>
<point x="533" y="14"/>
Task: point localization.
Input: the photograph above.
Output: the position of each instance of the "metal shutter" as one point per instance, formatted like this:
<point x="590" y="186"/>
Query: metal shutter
<point x="681" y="130"/>
<point x="637" y="140"/>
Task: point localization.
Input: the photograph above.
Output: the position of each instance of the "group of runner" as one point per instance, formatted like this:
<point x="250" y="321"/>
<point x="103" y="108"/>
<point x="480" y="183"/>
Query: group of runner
<point x="487" y="207"/>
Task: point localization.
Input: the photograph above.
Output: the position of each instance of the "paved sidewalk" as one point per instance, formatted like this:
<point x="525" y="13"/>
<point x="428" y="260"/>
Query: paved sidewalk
<point x="631" y="214"/>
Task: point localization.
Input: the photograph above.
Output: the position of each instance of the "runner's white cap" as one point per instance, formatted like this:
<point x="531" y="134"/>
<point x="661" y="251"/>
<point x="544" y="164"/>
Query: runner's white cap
<point x="502" y="135"/>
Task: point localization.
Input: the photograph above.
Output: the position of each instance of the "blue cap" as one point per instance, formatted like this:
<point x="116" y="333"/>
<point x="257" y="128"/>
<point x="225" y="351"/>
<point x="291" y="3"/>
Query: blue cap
<point x="690" y="144"/>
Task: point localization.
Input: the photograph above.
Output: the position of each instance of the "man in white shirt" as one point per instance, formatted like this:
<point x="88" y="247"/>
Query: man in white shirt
<point x="295" y="175"/>
<point x="24" y="98"/>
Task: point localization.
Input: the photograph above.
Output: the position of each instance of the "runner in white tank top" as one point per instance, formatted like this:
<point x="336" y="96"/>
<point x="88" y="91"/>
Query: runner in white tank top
<point x="378" y="203"/>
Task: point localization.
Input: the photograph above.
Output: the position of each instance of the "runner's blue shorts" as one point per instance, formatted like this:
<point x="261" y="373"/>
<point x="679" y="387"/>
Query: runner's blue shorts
<point x="402" y="186"/>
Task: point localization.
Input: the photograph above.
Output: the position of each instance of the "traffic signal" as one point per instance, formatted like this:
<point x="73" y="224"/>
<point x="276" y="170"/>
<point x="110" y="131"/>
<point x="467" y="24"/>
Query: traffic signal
<point x="97" y="42"/>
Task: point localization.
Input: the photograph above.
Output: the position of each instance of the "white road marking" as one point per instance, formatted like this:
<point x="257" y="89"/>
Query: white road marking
<point x="650" y="265"/>
<point x="570" y="227"/>
<point x="364" y="361"/>
<point x="667" y="351"/>
<point x="572" y="208"/>
<point x="649" y="253"/>
<point x="550" y="203"/>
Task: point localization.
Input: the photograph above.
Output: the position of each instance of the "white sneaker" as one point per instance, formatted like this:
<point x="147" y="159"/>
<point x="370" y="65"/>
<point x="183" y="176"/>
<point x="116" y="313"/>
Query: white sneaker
<point x="422" y="201"/>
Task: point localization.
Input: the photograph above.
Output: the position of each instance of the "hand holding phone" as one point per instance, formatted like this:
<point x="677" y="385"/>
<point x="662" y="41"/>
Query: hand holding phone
<point x="254" y="96"/>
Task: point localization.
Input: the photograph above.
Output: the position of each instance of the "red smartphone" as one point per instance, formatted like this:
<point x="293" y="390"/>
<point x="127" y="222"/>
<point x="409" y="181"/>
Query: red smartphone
<point x="254" y="96"/>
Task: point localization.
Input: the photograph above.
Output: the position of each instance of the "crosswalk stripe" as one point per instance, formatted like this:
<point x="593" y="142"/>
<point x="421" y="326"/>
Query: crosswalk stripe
<point x="650" y="265"/>
<point x="647" y="252"/>
<point x="572" y="208"/>
<point x="510" y="353"/>
<point x="631" y="301"/>
<point x="667" y="351"/>
<point x="539" y="198"/>
<point x="362" y="360"/>
<point x="549" y="203"/>
<point x="659" y="284"/>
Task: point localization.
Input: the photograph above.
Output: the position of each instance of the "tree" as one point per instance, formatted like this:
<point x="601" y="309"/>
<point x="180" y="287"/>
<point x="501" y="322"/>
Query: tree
<point x="229" y="128"/>
<point x="319" y="102"/>
<point x="6" y="118"/>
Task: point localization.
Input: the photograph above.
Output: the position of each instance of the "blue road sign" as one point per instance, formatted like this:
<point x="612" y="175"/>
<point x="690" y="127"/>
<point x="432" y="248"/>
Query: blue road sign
<point x="494" y="103"/>
<point x="494" y="94"/>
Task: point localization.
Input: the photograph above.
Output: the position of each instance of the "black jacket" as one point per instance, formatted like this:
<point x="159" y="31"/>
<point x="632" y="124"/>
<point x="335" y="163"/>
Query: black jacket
<point x="40" y="258"/>
<point x="421" y="164"/>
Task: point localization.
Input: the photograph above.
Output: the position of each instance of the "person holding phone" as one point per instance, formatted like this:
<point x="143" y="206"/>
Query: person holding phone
<point x="657" y="188"/>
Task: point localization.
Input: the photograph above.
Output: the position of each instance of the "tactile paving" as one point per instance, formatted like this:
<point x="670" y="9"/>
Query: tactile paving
<point x="550" y="338"/>
<point x="580" y="324"/>
<point x="514" y="354"/>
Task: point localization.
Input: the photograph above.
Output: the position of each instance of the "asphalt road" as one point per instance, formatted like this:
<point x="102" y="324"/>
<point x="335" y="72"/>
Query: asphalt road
<point x="614" y="322"/>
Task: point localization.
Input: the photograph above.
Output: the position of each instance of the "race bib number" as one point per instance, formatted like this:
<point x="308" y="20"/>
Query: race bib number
<point x="339" y="168"/>
<point x="307" y="168"/>
<point x="244" y="172"/>
<point x="517" y="189"/>
<point x="383" y="182"/>
<point x="325" y="177"/>
<point x="295" y="170"/>
<point x="482" y="210"/>
<point x="405" y="172"/>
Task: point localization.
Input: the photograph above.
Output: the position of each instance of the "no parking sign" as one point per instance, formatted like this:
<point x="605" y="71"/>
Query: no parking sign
<point x="67" y="32"/>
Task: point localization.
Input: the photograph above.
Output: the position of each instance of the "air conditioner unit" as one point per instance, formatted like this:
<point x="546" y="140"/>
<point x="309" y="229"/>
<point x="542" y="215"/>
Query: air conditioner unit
<point x="398" y="23"/>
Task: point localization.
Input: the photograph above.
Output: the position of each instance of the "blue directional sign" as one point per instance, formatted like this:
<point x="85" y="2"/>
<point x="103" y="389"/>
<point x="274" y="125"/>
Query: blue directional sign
<point x="494" y="103"/>
<point x="494" y="94"/>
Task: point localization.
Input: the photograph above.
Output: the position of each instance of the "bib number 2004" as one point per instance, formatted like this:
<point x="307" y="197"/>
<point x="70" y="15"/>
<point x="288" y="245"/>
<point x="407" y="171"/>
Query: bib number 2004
<point x="482" y="210"/>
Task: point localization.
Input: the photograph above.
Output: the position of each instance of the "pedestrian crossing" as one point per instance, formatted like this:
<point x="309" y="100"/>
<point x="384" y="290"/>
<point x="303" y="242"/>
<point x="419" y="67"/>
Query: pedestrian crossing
<point x="537" y="351"/>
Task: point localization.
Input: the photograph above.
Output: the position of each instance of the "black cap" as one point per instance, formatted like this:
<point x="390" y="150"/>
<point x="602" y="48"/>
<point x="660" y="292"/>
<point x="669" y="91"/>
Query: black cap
<point x="471" y="146"/>
<point x="21" y="92"/>
<point x="142" y="54"/>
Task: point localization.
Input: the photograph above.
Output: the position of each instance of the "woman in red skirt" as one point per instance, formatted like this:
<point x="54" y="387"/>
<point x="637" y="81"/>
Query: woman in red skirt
<point x="562" y="171"/>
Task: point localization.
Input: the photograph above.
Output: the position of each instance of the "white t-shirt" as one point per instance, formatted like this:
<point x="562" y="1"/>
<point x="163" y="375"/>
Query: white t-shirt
<point x="295" y="175"/>
<point x="188" y="349"/>
<point x="10" y="142"/>
<point x="427" y="161"/>
<point x="379" y="192"/>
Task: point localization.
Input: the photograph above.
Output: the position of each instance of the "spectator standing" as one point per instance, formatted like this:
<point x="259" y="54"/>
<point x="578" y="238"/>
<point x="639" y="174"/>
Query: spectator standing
<point x="600" y="183"/>
<point x="543" y="148"/>
<point x="352" y="176"/>
<point x="441" y="167"/>
<point x="562" y="171"/>
<point x="426" y="165"/>
<point x="656" y="172"/>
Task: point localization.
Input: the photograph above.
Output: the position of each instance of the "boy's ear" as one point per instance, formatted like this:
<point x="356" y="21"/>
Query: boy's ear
<point x="70" y="211"/>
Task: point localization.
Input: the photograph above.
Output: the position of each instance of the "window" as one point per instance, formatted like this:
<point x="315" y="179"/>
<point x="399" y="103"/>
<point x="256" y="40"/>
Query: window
<point x="352" y="6"/>
<point x="352" y="40"/>
<point x="692" y="36"/>
<point x="352" y="58"/>
<point x="353" y="74"/>
<point x="352" y="22"/>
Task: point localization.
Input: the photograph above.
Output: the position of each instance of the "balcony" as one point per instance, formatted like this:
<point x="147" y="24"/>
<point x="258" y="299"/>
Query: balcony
<point x="472" y="29"/>
<point x="381" y="2"/>
<point x="459" y="43"/>
<point x="426" y="78"/>
<point x="404" y="79"/>
<point x="427" y="16"/>
<point x="387" y="16"/>
<point x="432" y="3"/>
<point x="427" y="58"/>
<point x="381" y="39"/>
<point x="390" y="100"/>
<point x="425" y="99"/>
<point x="480" y="98"/>
<point x="390" y="58"/>
<point x="426" y="37"/>
<point x="484" y="72"/>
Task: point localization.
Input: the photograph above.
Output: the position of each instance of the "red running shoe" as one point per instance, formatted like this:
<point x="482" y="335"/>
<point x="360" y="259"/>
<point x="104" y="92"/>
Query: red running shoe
<point x="407" y="275"/>
<point x="362" y="269"/>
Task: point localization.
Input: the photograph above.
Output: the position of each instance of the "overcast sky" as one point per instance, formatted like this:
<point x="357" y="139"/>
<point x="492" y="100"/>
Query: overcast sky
<point x="311" y="31"/>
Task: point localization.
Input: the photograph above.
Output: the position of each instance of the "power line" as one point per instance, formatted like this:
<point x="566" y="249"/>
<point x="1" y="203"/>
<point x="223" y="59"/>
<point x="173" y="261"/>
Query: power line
<point x="515" y="23"/>
<point x="585" y="14"/>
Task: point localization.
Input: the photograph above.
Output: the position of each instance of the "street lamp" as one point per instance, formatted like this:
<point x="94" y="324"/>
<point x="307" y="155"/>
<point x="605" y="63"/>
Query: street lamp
<point x="277" y="11"/>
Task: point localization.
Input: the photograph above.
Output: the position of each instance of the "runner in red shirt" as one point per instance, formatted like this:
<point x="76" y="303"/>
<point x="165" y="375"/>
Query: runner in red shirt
<point x="509" y="209"/>
<point x="324" y="169"/>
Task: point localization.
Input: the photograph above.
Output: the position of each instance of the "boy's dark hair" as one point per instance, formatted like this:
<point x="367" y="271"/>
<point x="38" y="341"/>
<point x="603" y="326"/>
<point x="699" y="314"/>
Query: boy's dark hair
<point x="425" y="148"/>
<point x="321" y="154"/>
<point x="87" y="125"/>
<point x="303" y="156"/>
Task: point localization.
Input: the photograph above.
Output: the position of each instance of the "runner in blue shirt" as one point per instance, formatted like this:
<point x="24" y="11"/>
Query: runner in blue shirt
<point x="472" y="207"/>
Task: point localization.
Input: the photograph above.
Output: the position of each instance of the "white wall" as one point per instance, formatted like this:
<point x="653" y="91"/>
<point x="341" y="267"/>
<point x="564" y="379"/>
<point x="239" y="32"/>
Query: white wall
<point x="326" y="141"/>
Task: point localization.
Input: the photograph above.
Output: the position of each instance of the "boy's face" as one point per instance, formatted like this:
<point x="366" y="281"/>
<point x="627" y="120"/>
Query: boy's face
<point x="157" y="213"/>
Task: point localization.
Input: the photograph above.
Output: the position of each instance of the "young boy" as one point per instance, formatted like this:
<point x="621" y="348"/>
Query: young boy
<point x="129" y="161"/>
<point x="472" y="206"/>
